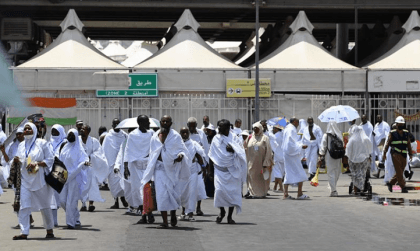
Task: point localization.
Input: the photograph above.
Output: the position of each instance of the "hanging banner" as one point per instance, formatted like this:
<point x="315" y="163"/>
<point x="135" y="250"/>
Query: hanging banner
<point x="245" y="88"/>
<point x="408" y="118"/>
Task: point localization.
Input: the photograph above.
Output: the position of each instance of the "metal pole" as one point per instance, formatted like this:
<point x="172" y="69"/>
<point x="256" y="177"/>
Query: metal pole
<point x="356" y="36"/>
<point x="257" y="59"/>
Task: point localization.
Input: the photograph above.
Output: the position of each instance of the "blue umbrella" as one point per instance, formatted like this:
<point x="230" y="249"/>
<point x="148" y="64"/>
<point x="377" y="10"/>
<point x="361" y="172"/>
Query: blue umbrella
<point x="281" y="121"/>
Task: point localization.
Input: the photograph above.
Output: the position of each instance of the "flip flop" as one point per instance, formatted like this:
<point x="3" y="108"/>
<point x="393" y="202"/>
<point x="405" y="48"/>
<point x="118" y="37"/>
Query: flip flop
<point x="20" y="237"/>
<point x="288" y="198"/>
<point x="162" y="226"/>
<point x="303" y="197"/>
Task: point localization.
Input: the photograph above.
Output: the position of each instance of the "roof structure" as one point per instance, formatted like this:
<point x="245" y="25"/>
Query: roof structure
<point x="138" y="52"/>
<point x="405" y="54"/>
<point x="71" y="49"/>
<point x="187" y="50"/>
<point x="301" y="51"/>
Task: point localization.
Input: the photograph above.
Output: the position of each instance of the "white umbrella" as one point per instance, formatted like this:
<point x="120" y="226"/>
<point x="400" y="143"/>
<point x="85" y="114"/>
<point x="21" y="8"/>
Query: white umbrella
<point x="132" y="123"/>
<point x="339" y="114"/>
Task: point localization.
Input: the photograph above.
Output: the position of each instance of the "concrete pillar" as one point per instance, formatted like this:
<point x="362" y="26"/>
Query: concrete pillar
<point x="342" y="40"/>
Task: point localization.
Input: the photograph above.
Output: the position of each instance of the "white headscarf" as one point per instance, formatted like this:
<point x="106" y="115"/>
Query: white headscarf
<point x="57" y="140"/>
<point x="29" y="143"/>
<point x="73" y="153"/>
<point x="259" y="126"/>
<point x="332" y="128"/>
<point x="359" y="147"/>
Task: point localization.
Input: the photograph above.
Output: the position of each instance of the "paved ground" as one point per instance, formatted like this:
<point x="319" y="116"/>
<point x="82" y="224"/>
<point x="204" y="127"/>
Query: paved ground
<point x="322" y="223"/>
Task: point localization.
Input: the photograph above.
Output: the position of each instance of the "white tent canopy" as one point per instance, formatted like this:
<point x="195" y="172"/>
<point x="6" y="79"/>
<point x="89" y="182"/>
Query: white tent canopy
<point x="399" y="68"/>
<point x="138" y="52"/>
<point x="302" y="64"/>
<point x="115" y="51"/>
<point x="188" y="63"/>
<point x="67" y="64"/>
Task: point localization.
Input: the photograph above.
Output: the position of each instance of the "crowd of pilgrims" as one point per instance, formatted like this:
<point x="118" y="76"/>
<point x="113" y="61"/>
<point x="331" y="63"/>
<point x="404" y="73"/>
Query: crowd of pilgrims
<point x="189" y="166"/>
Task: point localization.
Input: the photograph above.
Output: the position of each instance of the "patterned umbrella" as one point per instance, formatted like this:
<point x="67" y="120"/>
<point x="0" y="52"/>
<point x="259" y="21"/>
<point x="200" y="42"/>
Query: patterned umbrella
<point x="339" y="114"/>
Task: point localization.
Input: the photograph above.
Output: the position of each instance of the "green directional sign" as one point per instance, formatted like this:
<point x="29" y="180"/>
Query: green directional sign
<point x="143" y="81"/>
<point x="141" y="85"/>
<point x="126" y="93"/>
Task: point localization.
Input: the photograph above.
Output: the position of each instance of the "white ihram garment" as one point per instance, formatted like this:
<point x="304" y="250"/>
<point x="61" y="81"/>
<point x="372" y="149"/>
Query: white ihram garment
<point x="278" y="168"/>
<point x="111" y="146"/>
<point x="167" y="174"/>
<point x="98" y="170"/>
<point x="189" y="191"/>
<point x="333" y="165"/>
<point x="137" y="155"/>
<point x="230" y="171"/>
<point x="201" y="139"/>
<point x="292" y="149"/>
<point x="311" y="153"/>
<point x="381" y="132"/>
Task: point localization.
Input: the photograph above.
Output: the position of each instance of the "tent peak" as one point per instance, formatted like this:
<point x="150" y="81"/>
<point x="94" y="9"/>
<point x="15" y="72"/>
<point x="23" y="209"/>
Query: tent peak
<point x="187" y="20"/>
<point x="71" y="20"/>
<point x="412" y="22"/>
<point x="301" y="23"/>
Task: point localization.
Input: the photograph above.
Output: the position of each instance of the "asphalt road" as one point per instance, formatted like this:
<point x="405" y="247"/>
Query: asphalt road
<point x="322" y="223"/>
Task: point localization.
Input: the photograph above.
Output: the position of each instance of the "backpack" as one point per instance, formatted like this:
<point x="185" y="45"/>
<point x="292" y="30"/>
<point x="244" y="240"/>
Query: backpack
<point x="336" y="148"/>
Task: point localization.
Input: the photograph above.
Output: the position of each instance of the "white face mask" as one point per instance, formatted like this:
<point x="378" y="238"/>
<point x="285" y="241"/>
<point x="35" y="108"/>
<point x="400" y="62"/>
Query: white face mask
<point x="55" y="137"/>
<point x="28" y="136"/>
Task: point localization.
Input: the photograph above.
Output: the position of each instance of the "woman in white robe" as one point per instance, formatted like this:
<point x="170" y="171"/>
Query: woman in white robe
<point x="35" y="193"/>
<point x="75" y="159"/>
<point x="333" y="165"/>
<point x="58" y="137"/>
<point x="358" y="151"/>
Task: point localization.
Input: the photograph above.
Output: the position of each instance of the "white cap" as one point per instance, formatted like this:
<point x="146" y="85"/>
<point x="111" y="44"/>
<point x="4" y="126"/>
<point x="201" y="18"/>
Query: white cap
<point x="19" y="130"/>
<point x="210" y="127"/>
<point x="400" y="120"/>
<point x="245" y="132"/>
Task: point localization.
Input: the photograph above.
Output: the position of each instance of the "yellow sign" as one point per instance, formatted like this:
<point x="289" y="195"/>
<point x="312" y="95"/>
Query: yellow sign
<point x="245" y="88"/>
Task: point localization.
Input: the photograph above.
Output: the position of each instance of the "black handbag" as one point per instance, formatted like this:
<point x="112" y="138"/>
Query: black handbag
<point x="57" y="178"/>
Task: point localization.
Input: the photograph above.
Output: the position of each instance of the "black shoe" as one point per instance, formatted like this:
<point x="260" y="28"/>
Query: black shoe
<point x="247" y="195"/>
<point x="91" y="208"/>
<point x="311" y="176"/>
<point x="404" y="190"/>
<point x="389" y="186"/>
<point x="150" y="218"/>
<point x="143" y="220"/>
<point x="105" y="187"/>
<point x="124" y="202"/>
<point x="406" y="174"/>
<point x="199" y="212"/>
<point x="116" y="205"/>
<point x="411" y="175"/>
<point x="83" y="209"/>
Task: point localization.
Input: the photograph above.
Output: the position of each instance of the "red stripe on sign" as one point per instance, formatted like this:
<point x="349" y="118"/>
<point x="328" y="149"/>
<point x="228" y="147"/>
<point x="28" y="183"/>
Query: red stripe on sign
<point x="53" y="102"/>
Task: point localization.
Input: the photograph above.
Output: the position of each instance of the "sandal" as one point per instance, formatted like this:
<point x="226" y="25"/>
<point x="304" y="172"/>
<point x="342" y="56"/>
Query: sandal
<point x="20" y="237"/>
<point x="230" y="221"/>
<point x="150" y="218"/>
<point x="219" y="219"/>
<point x="303" y="197"/>
<point x="49" y="236"/>
<point x="199" y="212"/>
<point x="162" y="226"/>
<point x="288" y="198"/>
<point x="143" y="220"/>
